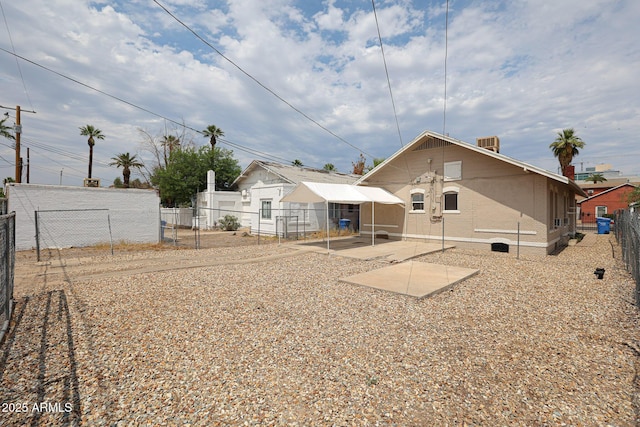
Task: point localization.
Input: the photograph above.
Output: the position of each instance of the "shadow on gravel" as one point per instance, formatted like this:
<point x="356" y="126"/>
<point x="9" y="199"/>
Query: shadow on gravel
<point x="38" y="368"/>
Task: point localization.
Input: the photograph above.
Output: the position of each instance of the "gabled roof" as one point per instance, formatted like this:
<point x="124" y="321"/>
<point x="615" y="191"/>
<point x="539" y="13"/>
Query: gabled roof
<point x="608" y="191"/>
<point x="527" y="167"/>
<point x="609" y="183"/>
<point x="296" y="174"/>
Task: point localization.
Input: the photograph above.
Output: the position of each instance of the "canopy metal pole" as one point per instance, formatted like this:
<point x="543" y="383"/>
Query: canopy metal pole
<point x="373" y="223"/>
<point x="327" y="204"/>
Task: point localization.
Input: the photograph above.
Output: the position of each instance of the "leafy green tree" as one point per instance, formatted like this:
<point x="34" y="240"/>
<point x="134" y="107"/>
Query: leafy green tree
<point x="376" y="162"/>
<point x="565" y="147"/>
<point x="186" y="173"/>
<point x="93" y="134"/>
<point x="329" y="167"/>
<point x="5" y="131"/>
<point x="297" y="162"/>
<point x="213" y="133"/>
<point x="126" y="161"/>
<point x="634" y="196"/>
<point x="596" y="178"/>
<point x="117" y="182"/>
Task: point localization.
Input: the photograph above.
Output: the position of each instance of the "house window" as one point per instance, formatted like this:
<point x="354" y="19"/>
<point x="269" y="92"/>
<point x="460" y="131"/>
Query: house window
<point x="451" y="199"/>
<point x="417" y="201"/>
<point x="453" y="171"/>
<point x="601" y="211"/>
<point x="334" y="210"/>
<point x="266" y="209"/>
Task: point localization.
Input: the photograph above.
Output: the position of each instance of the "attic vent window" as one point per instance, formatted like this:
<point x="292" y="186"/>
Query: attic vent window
<point x="432" y="142"/>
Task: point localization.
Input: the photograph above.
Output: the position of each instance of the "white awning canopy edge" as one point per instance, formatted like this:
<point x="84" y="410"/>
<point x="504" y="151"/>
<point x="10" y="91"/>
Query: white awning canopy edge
<point x="316" y="192"/>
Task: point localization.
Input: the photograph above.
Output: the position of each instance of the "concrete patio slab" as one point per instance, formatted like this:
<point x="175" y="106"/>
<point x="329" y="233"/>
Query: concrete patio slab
<point x="391" y="251"/>
<point x="416" y="279"/>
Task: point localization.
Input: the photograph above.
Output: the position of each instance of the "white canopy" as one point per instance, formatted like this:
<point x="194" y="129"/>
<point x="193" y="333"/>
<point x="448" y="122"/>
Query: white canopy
<point x="316" y="192"/>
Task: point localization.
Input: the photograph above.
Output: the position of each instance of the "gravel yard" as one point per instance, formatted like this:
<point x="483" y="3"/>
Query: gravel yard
<point x="268" y="335"/>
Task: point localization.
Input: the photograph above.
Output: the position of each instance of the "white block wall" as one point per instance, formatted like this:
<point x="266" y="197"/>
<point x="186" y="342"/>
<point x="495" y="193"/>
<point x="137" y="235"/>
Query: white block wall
<point x="134" y="215"/>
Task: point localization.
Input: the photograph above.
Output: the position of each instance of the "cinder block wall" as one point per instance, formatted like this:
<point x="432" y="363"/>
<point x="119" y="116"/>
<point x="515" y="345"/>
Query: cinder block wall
<point x="134" y="215"/>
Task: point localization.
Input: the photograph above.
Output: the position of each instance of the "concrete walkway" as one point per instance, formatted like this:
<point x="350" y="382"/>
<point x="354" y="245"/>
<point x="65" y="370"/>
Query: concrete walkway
<point x="383" y="250"/>
<point x="416" y="279"/>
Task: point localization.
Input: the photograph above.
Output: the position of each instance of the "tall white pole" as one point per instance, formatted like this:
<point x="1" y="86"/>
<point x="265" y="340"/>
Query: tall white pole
<point x="327" y="204"/>
<point x="373" y="223"/>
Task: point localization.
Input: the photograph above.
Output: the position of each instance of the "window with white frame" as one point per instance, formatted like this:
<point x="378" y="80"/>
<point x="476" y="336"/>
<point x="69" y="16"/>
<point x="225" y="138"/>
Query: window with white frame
<point x="601" y="211"/>
<point x="451" y="199"/>
<point x="266" y="209"/>
<point x="334" y="210"/>
<point x="417" y="200"/>
<point x="453" y="171"/>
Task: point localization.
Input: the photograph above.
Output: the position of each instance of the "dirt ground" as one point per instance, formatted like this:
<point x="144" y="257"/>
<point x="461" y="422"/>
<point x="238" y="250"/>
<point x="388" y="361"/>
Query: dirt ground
<point x="186" y="240"/>
<point x="59" y="265"/>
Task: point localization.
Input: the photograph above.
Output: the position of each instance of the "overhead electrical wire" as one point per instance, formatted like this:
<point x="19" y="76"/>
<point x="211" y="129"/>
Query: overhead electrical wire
<point x="24" y="85"/>
<point x="393" y="104"/>
<point x="306" y="116"/>
<point x="446" y="52"/>
<point x="386" y="71"/>
<point x="131" y="104"/>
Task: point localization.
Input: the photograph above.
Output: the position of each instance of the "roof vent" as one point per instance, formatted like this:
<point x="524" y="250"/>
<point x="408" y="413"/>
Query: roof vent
<point x="489" y="142"/>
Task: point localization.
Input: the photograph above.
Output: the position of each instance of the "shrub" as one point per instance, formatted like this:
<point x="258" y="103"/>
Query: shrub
<point x="229" y="223"/>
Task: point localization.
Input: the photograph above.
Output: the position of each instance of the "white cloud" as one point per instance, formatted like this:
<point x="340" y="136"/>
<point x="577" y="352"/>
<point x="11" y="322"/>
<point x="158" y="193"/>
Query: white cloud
<point x="520" y="70"/>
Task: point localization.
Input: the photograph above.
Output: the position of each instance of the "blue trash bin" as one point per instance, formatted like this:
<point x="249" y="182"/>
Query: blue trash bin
<point x="604" y="225"/>
<point x="344" y="224"/>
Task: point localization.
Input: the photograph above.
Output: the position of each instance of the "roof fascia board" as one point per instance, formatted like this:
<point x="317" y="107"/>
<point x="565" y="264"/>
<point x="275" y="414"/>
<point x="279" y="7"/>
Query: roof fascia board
<point x="483" y="151"/>
<point x="606" y="191"/>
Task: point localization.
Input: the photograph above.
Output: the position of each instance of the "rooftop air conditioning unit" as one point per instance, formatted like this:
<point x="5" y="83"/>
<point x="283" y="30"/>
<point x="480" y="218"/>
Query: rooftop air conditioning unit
<point x="489" y="142"/>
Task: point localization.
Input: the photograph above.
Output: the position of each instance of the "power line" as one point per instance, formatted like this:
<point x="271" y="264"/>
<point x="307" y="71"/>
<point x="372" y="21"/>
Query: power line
<point x="183" y="125"/>
<point x="386" y="71"/>
<point x="446" y="53"/>
<point x="259" y="82"/>
<point x="24" y="85"/>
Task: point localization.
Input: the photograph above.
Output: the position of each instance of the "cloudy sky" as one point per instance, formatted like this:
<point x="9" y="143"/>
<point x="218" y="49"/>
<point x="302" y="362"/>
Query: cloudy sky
<point x="305" y="79"/>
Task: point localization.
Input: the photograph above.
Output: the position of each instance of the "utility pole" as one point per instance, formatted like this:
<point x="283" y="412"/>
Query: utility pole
<point x="18" y="130"/>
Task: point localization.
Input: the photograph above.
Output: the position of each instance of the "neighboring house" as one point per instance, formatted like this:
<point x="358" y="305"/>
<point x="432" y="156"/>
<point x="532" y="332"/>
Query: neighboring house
<point x="605" y="202"/>
<point x="262" y="185"/>
<point x="472" y="196"/>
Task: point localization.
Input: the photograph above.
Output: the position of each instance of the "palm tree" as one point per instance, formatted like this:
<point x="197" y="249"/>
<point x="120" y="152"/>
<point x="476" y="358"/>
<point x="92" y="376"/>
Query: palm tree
<point x="329" y="167"/>
<point x="596" y="178"/>
<point x="565" y="147"/>
<point x="93" y="134"/>
<point x="297" y="162"/>
<point x="5" y="130"/>
<point x="213" y="132"/>
<point x="169" y="142"/>
<point x="126" y="161"/>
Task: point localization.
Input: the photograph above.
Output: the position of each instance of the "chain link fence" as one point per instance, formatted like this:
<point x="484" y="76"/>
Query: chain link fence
<point x="60" y="229"/>
<point x="199" y="227"/>
<point x="7" y="265"/>
<point x="627" y="233"/>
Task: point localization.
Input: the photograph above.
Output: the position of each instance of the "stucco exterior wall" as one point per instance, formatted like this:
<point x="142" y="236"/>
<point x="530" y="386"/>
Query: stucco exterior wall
<point x="497" y="202"/>
<point x="133" y="214"/>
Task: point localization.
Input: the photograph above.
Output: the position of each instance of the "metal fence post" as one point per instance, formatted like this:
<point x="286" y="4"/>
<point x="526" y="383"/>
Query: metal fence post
<point x="37" y="236"/>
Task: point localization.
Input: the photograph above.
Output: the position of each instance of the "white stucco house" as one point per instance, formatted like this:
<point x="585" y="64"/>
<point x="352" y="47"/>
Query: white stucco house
<point x="259" y="190"/>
